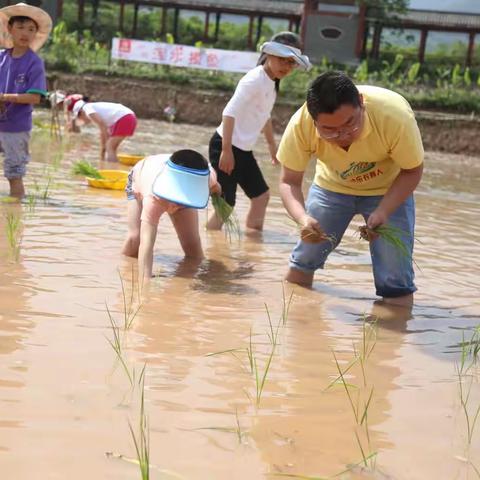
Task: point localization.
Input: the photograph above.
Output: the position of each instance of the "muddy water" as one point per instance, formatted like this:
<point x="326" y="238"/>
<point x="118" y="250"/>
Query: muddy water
<point x="66" y="401"/>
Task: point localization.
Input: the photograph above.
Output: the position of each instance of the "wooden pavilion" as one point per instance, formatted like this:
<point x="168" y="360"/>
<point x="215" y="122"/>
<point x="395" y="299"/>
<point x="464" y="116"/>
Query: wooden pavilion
<point x="424" y="21"/>
<point x="289" y="10"/>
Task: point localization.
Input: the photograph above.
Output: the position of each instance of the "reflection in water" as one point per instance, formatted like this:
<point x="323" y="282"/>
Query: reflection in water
<point x="62" y="391"/>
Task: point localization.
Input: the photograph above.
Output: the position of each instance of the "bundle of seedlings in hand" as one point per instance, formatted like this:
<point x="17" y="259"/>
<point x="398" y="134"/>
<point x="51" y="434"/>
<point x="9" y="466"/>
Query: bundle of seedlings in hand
<point x="82" y="167"/>
<point x="391" y="235"/>
<point x="225" y="213"/>
<point x="312" y="235"/>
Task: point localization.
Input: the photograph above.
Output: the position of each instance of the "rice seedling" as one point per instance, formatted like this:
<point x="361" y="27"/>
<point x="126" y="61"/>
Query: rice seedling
<point x="360" y="401"/>
<point x="347" y="386"/>
<point x="13" y="232"/>
<point x="394" y="236"/>
<point x="31" y="203"/>
<point x="470" y="349"/>
<point x="285" y="305"/>
<point x="471" y="418"/>
<point x="236" y="429"/>
<point x="46" y="188"/>
<point x="82" y="167"/>
<point x="43" y="191"/>
<point x="475" y="469"/>
<point x="273" y="333"/>
<point x="369" y="340"/>
<point x="468" y="360"/>
<point x="116" y="345"/>
<point x="129" y="309"/>
<point x="260" y="376"/>
<point x="314" y="236"/>
<point x="142" y="442"/>
<point x="225" y="213"/>
<point x="359" y="409"/>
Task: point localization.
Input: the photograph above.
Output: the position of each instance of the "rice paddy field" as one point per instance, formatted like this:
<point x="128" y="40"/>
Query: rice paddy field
<point x="219" y="371"/>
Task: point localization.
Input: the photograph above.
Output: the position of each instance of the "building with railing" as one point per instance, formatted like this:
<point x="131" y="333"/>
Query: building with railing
<point x="341" y="30"/>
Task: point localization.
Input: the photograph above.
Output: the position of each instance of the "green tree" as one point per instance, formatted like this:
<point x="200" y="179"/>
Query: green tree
<point x="396" y="6"/>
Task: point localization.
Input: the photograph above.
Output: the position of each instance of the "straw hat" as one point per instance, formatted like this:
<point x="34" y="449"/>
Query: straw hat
<point x="39" y="16"/>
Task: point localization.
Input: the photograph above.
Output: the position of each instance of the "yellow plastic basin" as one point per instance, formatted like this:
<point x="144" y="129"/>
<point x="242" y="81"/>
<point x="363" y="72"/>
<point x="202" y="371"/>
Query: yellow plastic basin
<point x="128" y="159"/>
<point x="113" y="180"/>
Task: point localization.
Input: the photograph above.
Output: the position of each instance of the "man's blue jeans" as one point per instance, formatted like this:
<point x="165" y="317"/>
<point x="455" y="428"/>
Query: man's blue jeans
<point x="392" y="270"/>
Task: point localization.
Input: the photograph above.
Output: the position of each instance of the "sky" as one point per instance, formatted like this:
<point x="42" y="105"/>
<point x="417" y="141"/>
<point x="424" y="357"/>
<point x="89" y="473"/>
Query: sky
<point x="471" y="6"/>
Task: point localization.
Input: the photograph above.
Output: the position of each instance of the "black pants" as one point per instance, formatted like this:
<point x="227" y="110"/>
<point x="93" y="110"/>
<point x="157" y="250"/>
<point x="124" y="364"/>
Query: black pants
<point x="246" y="172"/>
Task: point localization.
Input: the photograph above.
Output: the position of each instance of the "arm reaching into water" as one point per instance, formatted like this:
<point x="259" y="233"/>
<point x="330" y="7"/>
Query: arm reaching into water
<point x="148" y="234"/>
<point x="292" y="198"/>
<point x="272" y="146"/>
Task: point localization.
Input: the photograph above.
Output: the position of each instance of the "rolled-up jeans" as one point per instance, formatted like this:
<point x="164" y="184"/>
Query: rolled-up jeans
<point x="16" y="152"/>
<point x="392" y="270"/>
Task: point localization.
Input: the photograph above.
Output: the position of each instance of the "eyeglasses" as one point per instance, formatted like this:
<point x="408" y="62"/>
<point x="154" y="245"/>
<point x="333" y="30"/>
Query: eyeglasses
<point x="351" y="127"/>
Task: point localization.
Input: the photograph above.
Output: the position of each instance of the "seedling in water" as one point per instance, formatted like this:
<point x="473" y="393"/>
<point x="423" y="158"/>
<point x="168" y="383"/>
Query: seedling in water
<point x="14" y="234"/>
<point x="142" y="442"/>
<point x="31" y="203"/>
<point x="116" y="344"/>
<point x="129" y="311"/>
<point x="224" y="211"/>
<point x="360" y="403"/>
<point x="468" y="360"/>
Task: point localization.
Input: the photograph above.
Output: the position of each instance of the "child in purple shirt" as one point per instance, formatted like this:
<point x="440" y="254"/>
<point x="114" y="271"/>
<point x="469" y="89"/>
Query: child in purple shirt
<point x="22" y="82"/>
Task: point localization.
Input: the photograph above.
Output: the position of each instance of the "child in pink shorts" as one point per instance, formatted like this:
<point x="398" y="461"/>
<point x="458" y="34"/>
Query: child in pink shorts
<point x="177" y="184"/>
<point x="114" y="120"/>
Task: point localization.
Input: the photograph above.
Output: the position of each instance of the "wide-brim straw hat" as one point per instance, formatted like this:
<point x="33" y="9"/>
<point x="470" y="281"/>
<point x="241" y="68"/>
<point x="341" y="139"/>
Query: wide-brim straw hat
<point x="182" y="185"/>
<point x="39" y="16"/>
<point x="286" y="51"/>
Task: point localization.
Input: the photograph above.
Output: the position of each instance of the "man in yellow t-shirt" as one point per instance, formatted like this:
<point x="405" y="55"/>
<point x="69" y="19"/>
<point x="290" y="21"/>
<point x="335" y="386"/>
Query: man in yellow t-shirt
<point x="369" y="158"/>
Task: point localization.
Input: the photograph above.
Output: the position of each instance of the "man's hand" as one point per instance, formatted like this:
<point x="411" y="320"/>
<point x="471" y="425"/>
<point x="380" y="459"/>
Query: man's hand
<point x="310" y="230"/>
<point x="227" y="161"/>
<point x="376" y="218"/>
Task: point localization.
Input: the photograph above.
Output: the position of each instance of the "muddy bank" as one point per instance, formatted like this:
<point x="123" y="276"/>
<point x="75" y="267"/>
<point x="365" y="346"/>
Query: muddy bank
<point x="441" y="132"/>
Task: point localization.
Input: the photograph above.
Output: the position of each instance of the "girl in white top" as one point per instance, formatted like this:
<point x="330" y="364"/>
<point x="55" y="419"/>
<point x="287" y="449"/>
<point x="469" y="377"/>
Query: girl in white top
<point x="114" y="120"/>
<point x="245" y="116"/>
